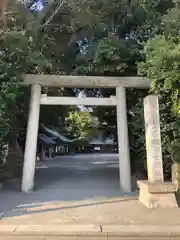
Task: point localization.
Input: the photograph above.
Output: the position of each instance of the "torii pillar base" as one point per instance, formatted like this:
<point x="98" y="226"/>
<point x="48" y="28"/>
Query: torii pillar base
<point x="157" y="195"/>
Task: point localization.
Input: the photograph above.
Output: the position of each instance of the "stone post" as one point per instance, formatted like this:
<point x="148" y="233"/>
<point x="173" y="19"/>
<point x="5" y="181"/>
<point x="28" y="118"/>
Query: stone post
<point x="153" y="139"/>
<point x="155" y="192"/>
<point x="123" y="140"/>
<point x="31" y="140"/>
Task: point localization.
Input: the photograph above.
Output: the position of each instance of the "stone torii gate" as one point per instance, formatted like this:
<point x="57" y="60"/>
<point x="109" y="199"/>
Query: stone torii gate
<point x="37" y="99"/>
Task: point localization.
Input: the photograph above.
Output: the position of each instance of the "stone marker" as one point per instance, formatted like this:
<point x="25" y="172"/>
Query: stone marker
<point x="153" y="139"/>
<point x="155" y="192"/>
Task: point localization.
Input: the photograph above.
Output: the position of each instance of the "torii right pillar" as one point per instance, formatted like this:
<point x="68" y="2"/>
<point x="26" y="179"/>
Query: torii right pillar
<point x="155" y="192"/>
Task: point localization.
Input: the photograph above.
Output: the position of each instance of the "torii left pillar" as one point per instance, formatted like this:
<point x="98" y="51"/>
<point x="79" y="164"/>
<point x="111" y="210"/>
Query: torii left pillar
<point x="31" y="140"/>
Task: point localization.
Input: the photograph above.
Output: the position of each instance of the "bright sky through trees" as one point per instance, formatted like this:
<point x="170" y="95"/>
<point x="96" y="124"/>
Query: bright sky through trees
<point x="38" y="5"/>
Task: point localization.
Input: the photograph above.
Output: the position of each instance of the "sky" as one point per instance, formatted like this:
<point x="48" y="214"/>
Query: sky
<point x="38" y="5"/>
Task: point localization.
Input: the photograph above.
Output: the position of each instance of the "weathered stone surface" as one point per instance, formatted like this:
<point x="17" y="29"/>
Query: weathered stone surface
<point x="72" y="237"/>
<point x="92" y="236"/>
<point x="85" y="81"/>
<point x="130" y="230"/>
<point x="58" y="228"/>
<point x="158" y="187"/>
<point x="157" y="195"/>
<point x="153" y="139"/>
<point x="14" y="236"/>
<point x="7" y="228"/>
<point x="154" y="192"/>
<point x="31" y="140"/>
<point x="123" y="142"/>
<point x="176" y="175"/>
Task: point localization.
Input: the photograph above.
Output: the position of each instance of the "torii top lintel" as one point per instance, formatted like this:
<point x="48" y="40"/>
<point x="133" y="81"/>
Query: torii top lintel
<point x="85" y="81"/>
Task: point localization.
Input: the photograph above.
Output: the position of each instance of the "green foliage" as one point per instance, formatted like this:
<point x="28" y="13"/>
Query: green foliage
<point x="162" y="67"/>
<point x="18" y="55"/>
<point x="174" y="150"/>
<point x="11" y="64"/>
<point x="80" y="125"/>
<point x="114" y="31"/>
<point x="137" y="137"/>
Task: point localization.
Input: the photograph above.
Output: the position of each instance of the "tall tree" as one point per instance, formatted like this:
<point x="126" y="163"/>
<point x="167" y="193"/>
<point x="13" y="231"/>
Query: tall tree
<point x="19" y="55"/>
<point x="161" y="65"/>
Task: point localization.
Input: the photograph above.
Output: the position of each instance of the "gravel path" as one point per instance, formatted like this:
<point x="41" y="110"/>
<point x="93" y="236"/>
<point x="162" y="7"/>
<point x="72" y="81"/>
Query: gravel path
<point x="83" y="189"/>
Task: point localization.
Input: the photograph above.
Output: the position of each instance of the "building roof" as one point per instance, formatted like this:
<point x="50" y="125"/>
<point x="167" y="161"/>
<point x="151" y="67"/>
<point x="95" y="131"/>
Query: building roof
<point x="45" y="139"/>
<point x="55" y="135"/>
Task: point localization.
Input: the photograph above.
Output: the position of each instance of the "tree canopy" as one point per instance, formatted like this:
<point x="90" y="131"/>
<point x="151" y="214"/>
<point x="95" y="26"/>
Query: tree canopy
<point x="162" y="65"/>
